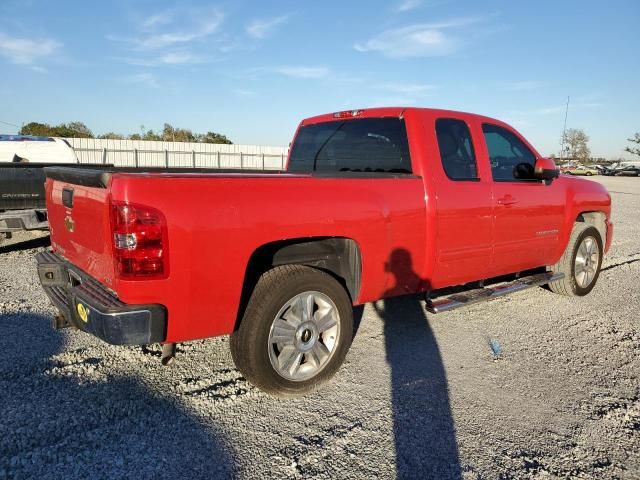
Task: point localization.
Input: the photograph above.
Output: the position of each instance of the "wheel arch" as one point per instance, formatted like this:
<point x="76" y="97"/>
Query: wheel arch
<point x="338" y="256"/>
<point x="596" y="218"/>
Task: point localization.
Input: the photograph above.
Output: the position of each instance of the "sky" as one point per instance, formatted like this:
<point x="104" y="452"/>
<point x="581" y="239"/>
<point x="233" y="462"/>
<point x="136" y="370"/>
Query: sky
<point x="253" y="69"/>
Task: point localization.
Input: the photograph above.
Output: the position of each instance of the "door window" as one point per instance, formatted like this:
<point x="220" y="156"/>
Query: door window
<point x="511" y="159"/>
<point x="456" y="149"/>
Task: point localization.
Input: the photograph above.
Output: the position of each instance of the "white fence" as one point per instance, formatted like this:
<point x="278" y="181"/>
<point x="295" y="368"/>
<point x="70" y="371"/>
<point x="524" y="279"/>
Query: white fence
<point x="142" y="153"/>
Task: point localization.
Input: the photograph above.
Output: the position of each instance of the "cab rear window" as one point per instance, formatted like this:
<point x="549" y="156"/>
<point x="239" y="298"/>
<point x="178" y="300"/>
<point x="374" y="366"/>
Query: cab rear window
<point x="364" y="145"/>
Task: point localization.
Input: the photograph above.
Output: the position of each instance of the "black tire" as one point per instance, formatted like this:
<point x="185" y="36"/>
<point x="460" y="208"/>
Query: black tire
<point x="589" y="174"/>
<point x="569" y="285"/>
<point x="250" y="344"/>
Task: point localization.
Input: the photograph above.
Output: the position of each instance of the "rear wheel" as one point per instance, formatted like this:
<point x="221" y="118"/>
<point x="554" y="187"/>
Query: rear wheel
<point x="580" y="262"/>
<point x="296" y="331"/>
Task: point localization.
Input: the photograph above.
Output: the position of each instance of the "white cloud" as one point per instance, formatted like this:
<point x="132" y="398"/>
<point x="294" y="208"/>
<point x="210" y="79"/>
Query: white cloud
<point x="193" y="29"/>
<point x="180" y="58"/>
<point x="262" y="28"/>
<point x="418" y="89"/>
<point x="562" y="108"/>
<point x="298" y="71"/>
<point x="579" y="104"/>
<point x="244" y="93"/>
<point x="177" y="57"/>
<point x="423" y="40"/>
<point x="143" y="79"/>
<point x="173" y="37"/>
<point x="392" y="101"/>
<point x="521" y="86"/>
<point x="407" y="5"/>
<point x="161" y="18"/>
<point x="25" y="51"/>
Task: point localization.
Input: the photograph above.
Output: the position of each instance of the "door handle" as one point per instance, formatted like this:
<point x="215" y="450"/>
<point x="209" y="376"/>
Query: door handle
<point x="507" y="200"/>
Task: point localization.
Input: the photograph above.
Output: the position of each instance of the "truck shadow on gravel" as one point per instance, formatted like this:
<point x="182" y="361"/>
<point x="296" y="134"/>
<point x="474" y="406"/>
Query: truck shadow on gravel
<point x="64" y="415"/>
<point x="423" y="427"/>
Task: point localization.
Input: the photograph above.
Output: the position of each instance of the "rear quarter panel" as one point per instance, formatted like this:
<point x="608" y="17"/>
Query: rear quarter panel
<point x="216" y="223"/>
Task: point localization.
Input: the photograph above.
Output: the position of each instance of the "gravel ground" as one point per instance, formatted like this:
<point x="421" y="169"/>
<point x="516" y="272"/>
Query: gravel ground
<point x="420" y="396"/>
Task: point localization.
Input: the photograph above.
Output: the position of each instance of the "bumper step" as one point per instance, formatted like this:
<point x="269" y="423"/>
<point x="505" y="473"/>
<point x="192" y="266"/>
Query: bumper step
<point x="457" y="300"/>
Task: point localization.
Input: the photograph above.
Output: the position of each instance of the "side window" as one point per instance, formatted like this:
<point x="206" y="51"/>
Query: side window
<point x="510" y="158"/>
<point x="456" y="149"/>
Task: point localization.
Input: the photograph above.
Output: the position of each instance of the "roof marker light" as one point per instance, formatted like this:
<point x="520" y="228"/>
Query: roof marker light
<point x="347" y="114"/>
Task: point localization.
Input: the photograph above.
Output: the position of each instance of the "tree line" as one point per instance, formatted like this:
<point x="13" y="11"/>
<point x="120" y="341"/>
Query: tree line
<point x="576" y="145"/>
<point x="168" y="133"/>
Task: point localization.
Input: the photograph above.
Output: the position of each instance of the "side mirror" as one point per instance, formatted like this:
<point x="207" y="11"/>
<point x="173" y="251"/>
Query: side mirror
<point x="545" y="169"/>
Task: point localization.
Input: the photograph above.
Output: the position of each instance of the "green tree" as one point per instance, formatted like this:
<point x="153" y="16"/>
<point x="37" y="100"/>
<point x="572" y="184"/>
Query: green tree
<point x="212" y="137"/>
<point x="72" y="129"/>
<point x="576" y="144"/>
<point x="111" y="136"/>
<point x="635" y="149"/>
<point x="35" y="128"/>
<point x="151" y="135"/>
<point x="172" y="134"/>
<point x="79" y="130"/>
<point x="169" y="133"/>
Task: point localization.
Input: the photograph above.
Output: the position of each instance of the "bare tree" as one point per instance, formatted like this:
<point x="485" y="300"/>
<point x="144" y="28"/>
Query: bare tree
<point x="575" y="141"/>
<point x="634" y="150"/>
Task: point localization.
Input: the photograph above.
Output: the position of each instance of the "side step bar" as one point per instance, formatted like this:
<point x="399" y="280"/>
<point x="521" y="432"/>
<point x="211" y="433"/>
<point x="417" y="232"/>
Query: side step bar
<point x="457" y="300"/>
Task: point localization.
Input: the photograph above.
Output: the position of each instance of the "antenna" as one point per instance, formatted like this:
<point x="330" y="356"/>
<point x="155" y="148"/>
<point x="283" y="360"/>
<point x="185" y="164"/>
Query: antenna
<point x="564" y="129"/>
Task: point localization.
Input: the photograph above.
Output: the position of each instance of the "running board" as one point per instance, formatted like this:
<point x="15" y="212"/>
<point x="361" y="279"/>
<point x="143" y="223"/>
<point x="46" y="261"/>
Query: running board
<point x="457" y="300"/>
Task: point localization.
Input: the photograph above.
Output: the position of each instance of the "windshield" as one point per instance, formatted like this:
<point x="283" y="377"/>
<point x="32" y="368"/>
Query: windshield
<point x="363" y="145"/>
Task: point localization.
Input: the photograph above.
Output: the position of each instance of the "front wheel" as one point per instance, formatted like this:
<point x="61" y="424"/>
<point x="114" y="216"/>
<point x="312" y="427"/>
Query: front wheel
<point x="580" y="262"/>
<point x="295" y="332"/>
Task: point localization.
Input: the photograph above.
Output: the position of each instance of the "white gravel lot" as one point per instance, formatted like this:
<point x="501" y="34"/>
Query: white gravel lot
<point x="419" y="396"/>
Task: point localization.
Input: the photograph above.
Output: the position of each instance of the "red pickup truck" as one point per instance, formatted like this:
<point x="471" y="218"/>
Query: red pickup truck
<point x="373" y="203"/>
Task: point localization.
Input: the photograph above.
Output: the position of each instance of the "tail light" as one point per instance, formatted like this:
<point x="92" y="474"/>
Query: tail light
<point x="139" y="242"/>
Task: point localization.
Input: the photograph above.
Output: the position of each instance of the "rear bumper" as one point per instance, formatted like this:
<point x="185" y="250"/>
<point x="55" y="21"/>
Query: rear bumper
<point x="16" y="220"/>
<point x="88" y="305"/>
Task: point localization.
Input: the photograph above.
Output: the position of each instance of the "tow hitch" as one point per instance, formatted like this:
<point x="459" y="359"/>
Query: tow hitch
<point x="168" y="353"/>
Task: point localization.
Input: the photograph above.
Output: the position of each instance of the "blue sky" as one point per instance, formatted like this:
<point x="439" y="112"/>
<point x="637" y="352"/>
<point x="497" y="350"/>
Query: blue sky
<point x="252" y="70"/>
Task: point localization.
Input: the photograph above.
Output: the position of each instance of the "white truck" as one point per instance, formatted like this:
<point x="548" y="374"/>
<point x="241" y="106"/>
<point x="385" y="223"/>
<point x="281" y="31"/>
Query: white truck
<point x="32" y="149"/>
<point x="22" y="162"/>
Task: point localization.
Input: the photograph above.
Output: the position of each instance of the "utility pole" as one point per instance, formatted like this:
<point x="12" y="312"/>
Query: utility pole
<point x="564" y="129"/>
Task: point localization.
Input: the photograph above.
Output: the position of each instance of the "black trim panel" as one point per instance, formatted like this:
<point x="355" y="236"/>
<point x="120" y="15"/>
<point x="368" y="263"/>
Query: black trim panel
<point x="101" y="177"/>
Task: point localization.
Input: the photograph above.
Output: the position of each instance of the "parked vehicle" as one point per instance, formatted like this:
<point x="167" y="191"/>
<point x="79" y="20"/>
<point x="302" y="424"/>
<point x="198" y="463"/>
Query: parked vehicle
<point x="622" y="169"/>
<point x="22" y="162"/>
<point x="22" y="198"/>
<point x="628" y="171"/>
<point x="374" y="203"/>
<point x="29" y="148"/>
<point x="582" y="170"/>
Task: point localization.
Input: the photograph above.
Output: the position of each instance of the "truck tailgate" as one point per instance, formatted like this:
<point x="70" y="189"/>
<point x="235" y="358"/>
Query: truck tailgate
<point x="79" y="218"/>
